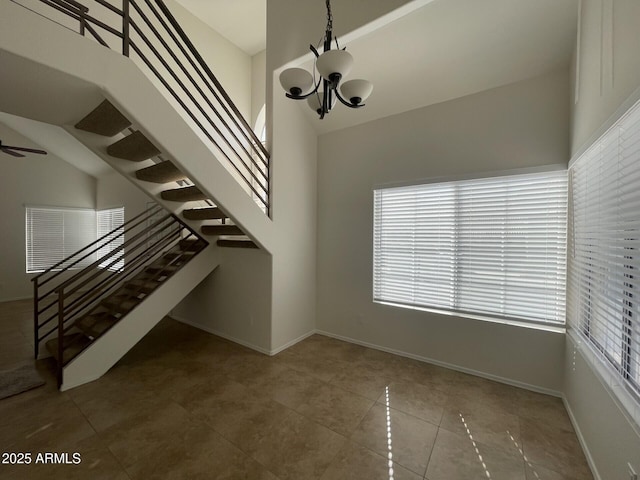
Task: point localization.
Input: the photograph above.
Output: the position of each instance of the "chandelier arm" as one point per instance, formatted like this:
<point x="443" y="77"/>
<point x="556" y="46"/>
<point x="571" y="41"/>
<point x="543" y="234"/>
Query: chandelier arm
<point x="306" y="95"/>
<point x="348" y="104"/>
<point x="314" y="50"/>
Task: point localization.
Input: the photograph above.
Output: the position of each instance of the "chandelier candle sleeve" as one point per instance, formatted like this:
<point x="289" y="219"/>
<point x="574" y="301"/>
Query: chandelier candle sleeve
<point x="332" y="66"/>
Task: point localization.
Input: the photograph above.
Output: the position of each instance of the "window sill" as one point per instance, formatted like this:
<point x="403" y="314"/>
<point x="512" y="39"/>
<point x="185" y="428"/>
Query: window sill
<point x="483" y="318"/>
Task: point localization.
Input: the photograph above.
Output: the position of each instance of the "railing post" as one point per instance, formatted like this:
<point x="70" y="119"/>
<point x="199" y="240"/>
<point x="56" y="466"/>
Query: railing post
<point x="83" y="19"/>
<point x="60" y="335"/>
<point x="125" y="27"/>
<point x="36" y="320"/>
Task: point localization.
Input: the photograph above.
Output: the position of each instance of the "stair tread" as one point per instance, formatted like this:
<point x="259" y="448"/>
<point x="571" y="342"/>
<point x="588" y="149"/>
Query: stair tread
<point x="191" y="245"/>
<point x="221" y="230"/>
<point x="183" y="194"/>
<point x="135" y="147"/>
<point x="94" y="325"/>
<point x="163" y="172"/>
<point x="209" y="213"/>
<point x="73" y="344"/>
<point x="236" y="243"/>
<point x="121" y="303"/>
<point x="105" y="120"/>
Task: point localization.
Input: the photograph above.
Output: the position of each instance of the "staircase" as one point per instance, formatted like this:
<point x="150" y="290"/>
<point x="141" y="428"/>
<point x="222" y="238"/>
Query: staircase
<point x="177" y="189"/>
<point x="192" y="153"/>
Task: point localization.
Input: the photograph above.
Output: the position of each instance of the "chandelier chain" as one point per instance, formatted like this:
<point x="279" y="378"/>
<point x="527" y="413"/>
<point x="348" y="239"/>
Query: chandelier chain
<point x="329" y="17"/>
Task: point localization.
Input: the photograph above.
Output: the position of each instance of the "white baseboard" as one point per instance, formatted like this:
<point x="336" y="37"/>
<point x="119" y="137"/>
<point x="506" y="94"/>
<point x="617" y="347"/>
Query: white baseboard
<point x="244" y="343"/>
<point x="213" y="331"/>
<point x="488" y="376"/>
<point x="292" y="342"/>
<point x="583" y="443"/>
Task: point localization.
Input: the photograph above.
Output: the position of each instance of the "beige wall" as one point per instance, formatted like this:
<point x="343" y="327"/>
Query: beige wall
<point x="234" y="301"/>
<point x="608" y="64"/>
<point x="606" y="81"/>
<point x="258" y="86"/>
<point x="517" y="126"/>
<point x="115" y="191"/>
<point x="33" y="180"/>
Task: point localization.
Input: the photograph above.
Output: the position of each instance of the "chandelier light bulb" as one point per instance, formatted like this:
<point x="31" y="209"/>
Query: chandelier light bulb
<point x="296" y="81"/>
<point x="334" y="65"/>
<point x="356" y="91"/>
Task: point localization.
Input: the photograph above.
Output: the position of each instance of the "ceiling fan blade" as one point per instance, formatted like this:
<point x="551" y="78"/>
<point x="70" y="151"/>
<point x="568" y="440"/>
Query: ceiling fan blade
<point x="23" y="149"/>
<point x="9" y="152"/>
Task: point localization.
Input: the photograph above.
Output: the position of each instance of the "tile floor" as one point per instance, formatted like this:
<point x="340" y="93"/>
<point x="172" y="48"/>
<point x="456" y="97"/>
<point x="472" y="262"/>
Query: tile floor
<point x="184" y="404"/>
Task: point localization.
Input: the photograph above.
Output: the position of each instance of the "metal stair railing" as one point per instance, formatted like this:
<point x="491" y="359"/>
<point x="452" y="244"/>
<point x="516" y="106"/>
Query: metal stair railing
<point x="76" y="286"/>
<point x="148" y="33"/>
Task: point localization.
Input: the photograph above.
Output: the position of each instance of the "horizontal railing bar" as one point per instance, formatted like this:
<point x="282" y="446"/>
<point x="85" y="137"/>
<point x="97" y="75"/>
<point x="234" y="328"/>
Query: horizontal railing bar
<point x="116" y="278"/>
<point x="213" y="78"/>
<point x="159" y="248"/>
<point x="101" y="260"/>
<point x="155" y="207"/>
<point x="197" y="104"/>
<point x="179" y="100"/>
<point x="206" y="81"/>
<point x="103" y="25"/>
<point x="109" y="6"/>
<point x="131" y="266"/>
<point x="68" y="12"/>
<point x="193" y="83"/>
<point x="163" y="15"/>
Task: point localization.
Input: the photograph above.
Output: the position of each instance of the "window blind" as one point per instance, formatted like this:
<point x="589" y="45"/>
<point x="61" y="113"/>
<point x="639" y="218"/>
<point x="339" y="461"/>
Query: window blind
<point x="110" y="223"/>
<point x="494" y="246"/>
<point x="604" y="283"/>
<point x="53" y="234"/>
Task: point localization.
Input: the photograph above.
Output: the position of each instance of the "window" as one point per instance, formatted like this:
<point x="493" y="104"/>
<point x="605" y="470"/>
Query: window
<point x="111" y="220"/>
<point x="494" y="246"/>
<point x="53" y="234"/>
<point x="604" y="244"/>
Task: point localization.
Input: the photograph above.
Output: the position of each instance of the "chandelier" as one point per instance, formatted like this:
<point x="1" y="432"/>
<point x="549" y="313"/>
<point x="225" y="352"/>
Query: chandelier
<point x="332" y="66"/>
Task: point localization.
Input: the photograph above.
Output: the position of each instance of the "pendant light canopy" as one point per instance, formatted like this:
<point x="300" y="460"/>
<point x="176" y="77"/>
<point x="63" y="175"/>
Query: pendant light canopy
<point x="332" y="66"/>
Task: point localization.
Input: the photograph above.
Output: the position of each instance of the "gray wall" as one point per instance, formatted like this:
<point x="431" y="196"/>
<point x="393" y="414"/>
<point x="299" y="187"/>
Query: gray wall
<point x="33" y="180"/>
<point x="516" y="126"/>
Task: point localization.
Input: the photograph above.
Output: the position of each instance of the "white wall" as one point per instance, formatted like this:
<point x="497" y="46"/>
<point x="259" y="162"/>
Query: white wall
<point x="608" y="64"/>
<point x="294" y="152"/>
<point x="33" y="180"/>
<point x="305" y="23"/>
<point x="606" y="74"/>
<point x="235" y="300"/>
<point x="258" y="85"/>
<point x="230" y="64"/>
<point x="114" y="191"/>
<point x="516" y="126"/>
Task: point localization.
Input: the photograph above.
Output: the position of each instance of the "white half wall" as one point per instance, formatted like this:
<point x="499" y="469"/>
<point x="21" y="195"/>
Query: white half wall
<point x="521" y="125"/>
<point x="33" y="180"/>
